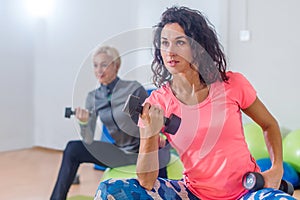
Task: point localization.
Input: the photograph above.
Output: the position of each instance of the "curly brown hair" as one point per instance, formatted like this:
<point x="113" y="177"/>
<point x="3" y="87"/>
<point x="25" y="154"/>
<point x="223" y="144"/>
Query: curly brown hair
<point x="207" y="52"/>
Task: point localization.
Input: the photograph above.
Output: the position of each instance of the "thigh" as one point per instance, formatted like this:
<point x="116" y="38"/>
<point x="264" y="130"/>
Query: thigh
<point x="267" y="194"/>
<point x="110" y="155"/>
<point x="130" y="189"/>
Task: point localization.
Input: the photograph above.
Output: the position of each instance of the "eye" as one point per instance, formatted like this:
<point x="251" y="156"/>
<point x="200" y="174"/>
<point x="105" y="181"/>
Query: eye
<point x="103" y="65"/>
<point x="164" y="43"/>
<point x="180" y="42"/>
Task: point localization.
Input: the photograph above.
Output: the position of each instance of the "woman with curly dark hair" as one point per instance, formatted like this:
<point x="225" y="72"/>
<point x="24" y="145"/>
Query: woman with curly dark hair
<point x="190" y="71"/>
<point x="207" y="54"/>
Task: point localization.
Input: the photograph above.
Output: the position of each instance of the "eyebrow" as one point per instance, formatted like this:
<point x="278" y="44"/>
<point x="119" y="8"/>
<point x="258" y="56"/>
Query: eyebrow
<point x="179" y="37"/>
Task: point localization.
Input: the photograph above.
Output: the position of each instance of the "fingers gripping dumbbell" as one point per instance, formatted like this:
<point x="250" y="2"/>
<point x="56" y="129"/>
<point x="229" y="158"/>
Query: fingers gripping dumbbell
<point x="254" y="181"/>
<point x="69" y="112"/>
<point x="133" y="108"/>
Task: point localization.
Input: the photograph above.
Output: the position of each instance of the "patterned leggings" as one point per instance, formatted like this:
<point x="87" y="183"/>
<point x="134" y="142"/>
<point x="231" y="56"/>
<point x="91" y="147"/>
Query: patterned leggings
<point x="130" y="189"/>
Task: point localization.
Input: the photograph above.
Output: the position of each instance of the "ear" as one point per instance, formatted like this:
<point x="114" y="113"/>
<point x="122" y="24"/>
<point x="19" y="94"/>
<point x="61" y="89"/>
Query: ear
<point x="117" y="68"/>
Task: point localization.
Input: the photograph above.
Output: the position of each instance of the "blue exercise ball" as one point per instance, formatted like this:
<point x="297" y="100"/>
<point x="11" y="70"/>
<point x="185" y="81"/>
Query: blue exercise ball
<point x="289" y="173"/>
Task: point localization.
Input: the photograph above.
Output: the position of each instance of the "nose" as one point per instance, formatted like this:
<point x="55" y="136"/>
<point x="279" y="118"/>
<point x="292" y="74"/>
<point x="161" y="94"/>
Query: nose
<point x="171" y="50"/>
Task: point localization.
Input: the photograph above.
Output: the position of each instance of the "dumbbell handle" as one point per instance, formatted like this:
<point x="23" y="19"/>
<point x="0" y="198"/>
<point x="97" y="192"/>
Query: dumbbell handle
<point x="168" y="122"/>
<point x="132" y="106"/>
<point x="254" y="181"/>
<point x="139" y="109"/>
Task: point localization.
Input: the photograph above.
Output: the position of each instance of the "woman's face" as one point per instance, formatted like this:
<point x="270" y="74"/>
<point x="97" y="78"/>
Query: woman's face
<point x="104" y="68"/>
<point x="175" y="48"/>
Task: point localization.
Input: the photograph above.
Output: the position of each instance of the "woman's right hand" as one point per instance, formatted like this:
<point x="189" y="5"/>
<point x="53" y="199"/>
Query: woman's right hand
<point x="153" y="120"/>
<point x="82" y="115"/>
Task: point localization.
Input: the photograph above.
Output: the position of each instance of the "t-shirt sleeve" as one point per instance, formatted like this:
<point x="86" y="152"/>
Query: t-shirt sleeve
<point x="241" y="90"/>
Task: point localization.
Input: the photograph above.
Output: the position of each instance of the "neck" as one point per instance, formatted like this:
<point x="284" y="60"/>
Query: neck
<point x="189" y="82"/>
<point x="188" y="89"/>
<point x="109" y="82"/>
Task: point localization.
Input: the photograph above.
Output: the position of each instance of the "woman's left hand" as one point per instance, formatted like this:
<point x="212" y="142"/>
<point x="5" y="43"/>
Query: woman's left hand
<point x="273" y="177"/>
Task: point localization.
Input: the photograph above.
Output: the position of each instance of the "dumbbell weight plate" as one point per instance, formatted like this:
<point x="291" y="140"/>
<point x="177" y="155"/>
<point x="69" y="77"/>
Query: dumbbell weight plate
<point x="253" y="181"/>
<point x="68" y="112"/>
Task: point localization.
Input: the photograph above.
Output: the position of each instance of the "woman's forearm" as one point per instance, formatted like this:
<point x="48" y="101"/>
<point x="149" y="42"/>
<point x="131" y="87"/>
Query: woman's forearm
<point x="147" y="163"/>
<point x="274" y="144"/>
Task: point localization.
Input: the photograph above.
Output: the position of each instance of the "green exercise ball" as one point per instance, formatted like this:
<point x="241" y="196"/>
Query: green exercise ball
<point x="127" y="171"/>
<point x="291" y="149"/>
<point x="255" y="141"/>
<point x="174" y="170"/>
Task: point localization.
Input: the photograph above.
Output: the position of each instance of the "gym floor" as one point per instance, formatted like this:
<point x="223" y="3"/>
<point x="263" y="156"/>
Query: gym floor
<point x="30" y="174"/>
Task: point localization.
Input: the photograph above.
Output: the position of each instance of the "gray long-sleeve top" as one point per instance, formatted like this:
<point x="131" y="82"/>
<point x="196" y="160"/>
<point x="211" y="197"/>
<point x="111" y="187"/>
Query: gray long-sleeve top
<point x="107" y="103"/>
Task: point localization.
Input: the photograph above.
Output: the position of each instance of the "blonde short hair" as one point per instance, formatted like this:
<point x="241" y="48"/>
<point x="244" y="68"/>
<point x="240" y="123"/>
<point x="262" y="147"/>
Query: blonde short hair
<point x="110" y="51"/>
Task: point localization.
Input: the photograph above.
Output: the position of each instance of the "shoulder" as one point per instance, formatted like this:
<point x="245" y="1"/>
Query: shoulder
<point x="235" y="77"/>
<point x="162" y="94"/>
<point x="92" y="93"/>
<point x="240" y="89"/>
<point x="163" y="90"/>
<point x="129" y="83"/>
<point x="134" y="87"/>
<point x="128" y="86"/>
<point x="237" y="80"/>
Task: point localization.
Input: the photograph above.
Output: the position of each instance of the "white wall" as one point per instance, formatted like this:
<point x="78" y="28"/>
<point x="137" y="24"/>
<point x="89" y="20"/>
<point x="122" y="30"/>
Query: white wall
<point x="45" y="61"/>
<point x="16" y="78"/>
<point x="270" y="58"/>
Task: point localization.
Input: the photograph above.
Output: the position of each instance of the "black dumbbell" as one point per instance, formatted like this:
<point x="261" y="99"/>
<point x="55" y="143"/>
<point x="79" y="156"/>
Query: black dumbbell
<point x="69" y="112"/>
<point x="254" y="181"/>
<point x="133" y="108"/>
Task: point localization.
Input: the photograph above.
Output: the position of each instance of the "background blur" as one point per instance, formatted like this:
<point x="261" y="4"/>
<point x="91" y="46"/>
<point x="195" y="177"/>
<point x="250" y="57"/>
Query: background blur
<point x="45" y="64"/>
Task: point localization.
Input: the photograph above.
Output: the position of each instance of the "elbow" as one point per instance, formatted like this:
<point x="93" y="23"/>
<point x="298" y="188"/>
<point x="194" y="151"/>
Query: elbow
<point x="273" y="124"/>
<point x="148" y="185"/>
<point x="147" y="180"/>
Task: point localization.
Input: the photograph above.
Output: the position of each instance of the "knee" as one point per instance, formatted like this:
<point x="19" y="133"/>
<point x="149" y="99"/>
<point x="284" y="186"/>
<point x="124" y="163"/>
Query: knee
<point x="119" y="189"/>
<point x="104" y="190"/>
<point x="72" y="148"/>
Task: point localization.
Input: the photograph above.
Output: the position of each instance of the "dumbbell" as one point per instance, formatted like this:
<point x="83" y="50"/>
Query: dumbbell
<point x="69" y="112"/>
<point x="254" y="181"/>
<point x="133" y="108"/>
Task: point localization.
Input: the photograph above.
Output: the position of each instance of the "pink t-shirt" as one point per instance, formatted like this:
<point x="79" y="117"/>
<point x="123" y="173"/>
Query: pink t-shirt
<point x="210" y="140"/>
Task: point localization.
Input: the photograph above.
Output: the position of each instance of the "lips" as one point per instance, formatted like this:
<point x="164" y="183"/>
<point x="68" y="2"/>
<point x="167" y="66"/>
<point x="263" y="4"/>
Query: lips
<point x="172" y="63"/>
